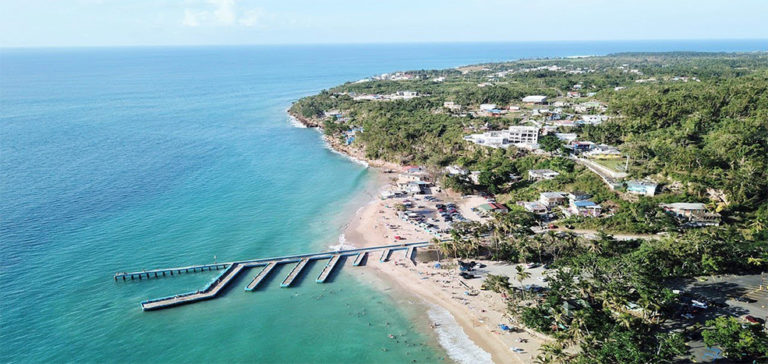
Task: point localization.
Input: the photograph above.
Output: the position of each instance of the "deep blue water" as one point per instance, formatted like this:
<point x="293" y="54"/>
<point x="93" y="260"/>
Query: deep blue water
<point x="130" y="158"/>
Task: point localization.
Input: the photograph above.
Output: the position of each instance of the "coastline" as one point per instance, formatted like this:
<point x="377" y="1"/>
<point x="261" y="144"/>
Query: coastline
<point x="466" y="326"/>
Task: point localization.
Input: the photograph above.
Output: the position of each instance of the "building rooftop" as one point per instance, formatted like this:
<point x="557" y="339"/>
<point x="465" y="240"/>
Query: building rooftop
<point x="685" y="206"/>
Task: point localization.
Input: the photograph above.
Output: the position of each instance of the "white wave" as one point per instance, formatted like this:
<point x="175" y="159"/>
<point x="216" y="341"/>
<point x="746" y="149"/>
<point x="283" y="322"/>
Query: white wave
<point x="343" y="244"/>
<point x="454" y="340"/>
<point x="351" y="158"/>
<point x="295" y="122"/>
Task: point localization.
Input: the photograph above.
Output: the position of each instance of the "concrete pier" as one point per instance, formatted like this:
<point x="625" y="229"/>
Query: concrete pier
<point x="385" y="255"/>
<point x="359" y="259"/>
<point x="210" y="291"/>
<point x="409" y="254"/>
<point x="158" y="273"/>
<point x="261" y="276"/>
<point x="328" y="269"/>
<point x="232" y="269"/>
<point x="294" y="273"/>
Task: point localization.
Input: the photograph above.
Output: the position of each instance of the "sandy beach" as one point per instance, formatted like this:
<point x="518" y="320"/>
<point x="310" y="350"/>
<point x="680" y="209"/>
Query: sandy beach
<point x="478" y="316"/>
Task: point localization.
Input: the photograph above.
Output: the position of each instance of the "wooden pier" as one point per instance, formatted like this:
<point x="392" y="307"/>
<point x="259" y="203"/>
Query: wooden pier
<point x="232" y="269"/>
<point x="261" y="276"/>
<point x="328" y="269"/>
<point x="294" y="273"/>
<point x="359" y="259"/>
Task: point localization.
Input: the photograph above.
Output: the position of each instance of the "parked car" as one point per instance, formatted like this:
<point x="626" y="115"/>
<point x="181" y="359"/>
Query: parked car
<point x="699" y="304"/>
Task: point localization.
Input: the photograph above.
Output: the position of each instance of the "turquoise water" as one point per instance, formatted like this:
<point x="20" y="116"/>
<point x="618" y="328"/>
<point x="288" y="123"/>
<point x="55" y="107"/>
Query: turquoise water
<point x="137" y="158"/>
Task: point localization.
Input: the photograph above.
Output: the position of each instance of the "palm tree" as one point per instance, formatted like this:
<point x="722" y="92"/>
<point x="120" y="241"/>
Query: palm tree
<point x="551" y="353"/>
<point x="578" y="329"/>
<point x="521" y="275"/>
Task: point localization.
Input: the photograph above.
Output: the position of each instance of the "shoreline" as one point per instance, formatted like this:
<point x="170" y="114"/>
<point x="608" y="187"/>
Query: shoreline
<point x="372" y="224"/>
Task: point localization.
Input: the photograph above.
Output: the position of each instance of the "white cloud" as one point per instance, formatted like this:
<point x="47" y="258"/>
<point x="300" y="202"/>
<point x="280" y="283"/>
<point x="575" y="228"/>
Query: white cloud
<point x="191" y="18"/>
<point x="252" y="18"/>
<point x="224" y="13"/>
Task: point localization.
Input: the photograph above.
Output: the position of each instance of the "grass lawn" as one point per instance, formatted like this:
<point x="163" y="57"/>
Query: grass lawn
<point x="614" y="164"/>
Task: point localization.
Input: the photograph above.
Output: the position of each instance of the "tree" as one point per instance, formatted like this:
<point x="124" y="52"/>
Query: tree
<point x="521" y="275"/>
<point x="738" y="341"/>
<point x="550" y="143"/>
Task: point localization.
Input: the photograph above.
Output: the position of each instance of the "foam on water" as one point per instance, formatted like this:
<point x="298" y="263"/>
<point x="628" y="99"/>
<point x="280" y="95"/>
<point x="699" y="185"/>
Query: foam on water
<point x="454" y="340"/>
<point x="295" y="122"/>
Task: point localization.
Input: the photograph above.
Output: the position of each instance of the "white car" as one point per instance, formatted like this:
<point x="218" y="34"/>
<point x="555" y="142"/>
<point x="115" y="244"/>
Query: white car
<point x="699" y="304"/>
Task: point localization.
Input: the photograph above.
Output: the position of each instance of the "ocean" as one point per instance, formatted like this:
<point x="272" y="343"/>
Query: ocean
<point x="117" y="159"/>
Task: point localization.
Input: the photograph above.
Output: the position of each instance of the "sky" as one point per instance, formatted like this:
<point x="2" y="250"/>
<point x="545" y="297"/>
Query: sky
<point x="62" y="23"/>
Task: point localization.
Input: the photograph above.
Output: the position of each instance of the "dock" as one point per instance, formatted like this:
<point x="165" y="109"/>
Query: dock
<point x="294" y="273"/>
<point x="359" y="259"/>
<point x="409" y="254"/>
<point x="232" y="269"/>
<point x="210" y="291"/>
<point x="328" y="269"/>
<point x="385" y="255"/>
<point x="158" y="273"/>
<point x="260" y="277"/>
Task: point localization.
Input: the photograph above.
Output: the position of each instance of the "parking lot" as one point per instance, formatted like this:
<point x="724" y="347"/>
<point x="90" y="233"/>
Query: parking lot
<point x="727" y="295"/>
<point x="430" y="213"/>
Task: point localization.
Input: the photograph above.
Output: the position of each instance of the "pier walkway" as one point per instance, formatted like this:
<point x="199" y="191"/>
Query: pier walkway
<point x="328" y="269"/>
<point x="260" y="277"/>
<point x="232" y="269"/>
<point x="385" y="255"/>
<point x="294" y="273"/>
<point x="359" y="259"/>
<point x="210" y="291"/>
<point x="157" y="273"/>
<point x="409" y="255"/>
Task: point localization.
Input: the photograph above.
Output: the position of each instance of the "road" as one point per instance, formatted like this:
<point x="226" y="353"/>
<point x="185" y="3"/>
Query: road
<point x="591" y="234"/>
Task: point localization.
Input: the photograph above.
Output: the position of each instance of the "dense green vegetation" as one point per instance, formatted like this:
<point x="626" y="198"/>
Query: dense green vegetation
<point x="696" y="123"/>
<point x="738" y="340"/>
<point x="707" y="136"/>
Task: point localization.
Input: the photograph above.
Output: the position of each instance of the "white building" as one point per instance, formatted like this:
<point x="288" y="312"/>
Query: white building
<point x="593" y="119"/>
<point x="535" y="99"/>
<point x="603" y="151"/>
<point x="538" y="174"/>
<point x="692" y="214"/>
<point x="455" y="170"/>
<point x="487" y="107"/>
<point x="450" y="105"/>
<point x="534" y="206"/>
<point x="567" y="137"/>
<point x="551" y="199"/>
<point x="517" y="135"/>
<point x="407" y="94"/>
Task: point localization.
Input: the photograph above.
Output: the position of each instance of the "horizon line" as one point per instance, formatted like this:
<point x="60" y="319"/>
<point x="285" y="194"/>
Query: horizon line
<point x="382" y="43"/>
